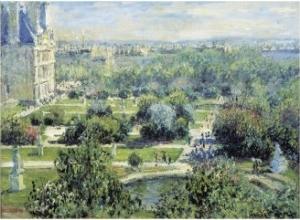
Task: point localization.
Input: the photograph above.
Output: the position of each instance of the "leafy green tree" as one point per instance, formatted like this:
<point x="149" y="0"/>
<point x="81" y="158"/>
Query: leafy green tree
<point x="103" y="95"/>
<point x="144" y="103"/>
<point x="15" y="132"/>
<point x="216" y="189"/>
<point x="73" y="94"/>
<point x="99" y="108"/>
<point x="36" y="118"/>
<point x="87" y="188"/>
<point x="243" y="133"/>
<point x="102" y="130"/>
<point x="74" y="134"/>
<point x="55" y="117"/>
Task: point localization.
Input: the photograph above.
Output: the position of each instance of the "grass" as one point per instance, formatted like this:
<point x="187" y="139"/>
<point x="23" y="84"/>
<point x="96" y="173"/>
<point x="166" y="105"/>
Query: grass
<point x="69" y="101"/>
<point x="292" y="174"/>
<point x="30" y="154"/>
<point x="63" y="108"/>
<point x="124" y="171"/>
<point x="196" y="125"/>
<point x="8" y="112"/>
<point x="143" y="214"/>
<point x="17" y="199"/>
<point x="202" y="101"/>
<point x="200" y="116"/>
<point x="147" y="153"/>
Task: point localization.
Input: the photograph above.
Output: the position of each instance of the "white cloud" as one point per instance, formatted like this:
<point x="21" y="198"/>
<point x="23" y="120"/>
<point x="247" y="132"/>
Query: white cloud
<point x="175" y="20"/>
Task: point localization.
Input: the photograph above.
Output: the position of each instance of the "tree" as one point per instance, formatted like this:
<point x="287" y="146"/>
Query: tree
<point x="144" y="103"/>
<point x="102" y="130"/>
<point x="99" y="108"/>
<point x="216" y="189"/>
<point x="13" y="132"/>
<point x="73" y="94"/>
<point x="243" y="133"/>
<point x="135" y="160"/>
<point x="55" y="117"/>
<point x="87" y="187"/>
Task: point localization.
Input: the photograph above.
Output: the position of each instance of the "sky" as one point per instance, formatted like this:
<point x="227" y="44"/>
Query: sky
<point x="173" y="20"/>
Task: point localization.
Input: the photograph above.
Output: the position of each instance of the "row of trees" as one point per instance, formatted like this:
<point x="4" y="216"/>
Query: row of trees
<point x="210" y="72"/>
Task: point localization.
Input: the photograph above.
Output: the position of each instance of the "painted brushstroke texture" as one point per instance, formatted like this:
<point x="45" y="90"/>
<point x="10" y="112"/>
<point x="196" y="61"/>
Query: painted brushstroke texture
<point x="173" y="21"/>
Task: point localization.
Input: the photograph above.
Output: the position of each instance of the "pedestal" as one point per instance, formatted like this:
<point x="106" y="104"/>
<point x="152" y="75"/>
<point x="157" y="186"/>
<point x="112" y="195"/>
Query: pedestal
<point x="16" y="180"/>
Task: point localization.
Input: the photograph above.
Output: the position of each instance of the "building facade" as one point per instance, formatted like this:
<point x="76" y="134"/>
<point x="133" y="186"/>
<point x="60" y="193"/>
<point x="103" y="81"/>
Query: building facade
<point x="27" y="53"/>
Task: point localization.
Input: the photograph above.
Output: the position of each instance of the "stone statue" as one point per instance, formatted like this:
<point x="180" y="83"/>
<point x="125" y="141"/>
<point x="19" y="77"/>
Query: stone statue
<point x="114" y="150"/>
<point x="16" y="174"/>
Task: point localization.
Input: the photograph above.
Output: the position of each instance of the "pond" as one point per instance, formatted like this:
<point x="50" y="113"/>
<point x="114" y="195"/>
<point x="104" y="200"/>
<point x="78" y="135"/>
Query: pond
<point x="149" y="190"/>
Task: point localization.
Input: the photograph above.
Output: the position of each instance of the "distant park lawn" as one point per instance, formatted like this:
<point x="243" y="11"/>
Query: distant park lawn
<point x="69" y="101"/>
<point x="147" y="153"/>
<point x="51" y="153"/>
<point x="30" y="154"/>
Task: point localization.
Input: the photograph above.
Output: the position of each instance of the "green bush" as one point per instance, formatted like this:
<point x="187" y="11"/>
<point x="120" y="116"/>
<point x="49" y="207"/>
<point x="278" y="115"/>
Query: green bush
<point x="135" y="160"/>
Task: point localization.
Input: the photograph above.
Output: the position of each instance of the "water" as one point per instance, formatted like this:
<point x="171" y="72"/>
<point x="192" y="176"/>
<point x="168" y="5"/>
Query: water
<point x="281" y="55"/>
<point x="149" y="190"/>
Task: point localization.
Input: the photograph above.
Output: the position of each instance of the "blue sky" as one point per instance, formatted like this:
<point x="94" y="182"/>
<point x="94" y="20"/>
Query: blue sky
<point x="173" y="21"/>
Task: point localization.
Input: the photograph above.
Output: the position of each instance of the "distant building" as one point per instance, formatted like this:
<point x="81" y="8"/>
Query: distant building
<point x="27" y="53"/>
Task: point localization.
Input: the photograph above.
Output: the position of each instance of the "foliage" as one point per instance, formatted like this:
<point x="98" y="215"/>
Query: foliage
<point x="99" y="108"/>
<point x="55" y="117"/>
<point x="15" y="132"/>
<point x="73" y="94"/>
<point x="36" y="118"/>
<point x="145" y="101"/>
<point x="102" y="130"/>
<point x="103" y="95"/>
<point x="124" y="93"/>
<point x="31" y="134"/>
<point x="217" y="190"/>
<point x="86" y="187"/>
<point x="73" y="134"/>
<point x="284" y="129"/>
<point x="135" y="160"/>
<point x="162" y="115"/>
<point x="243" y="133"/>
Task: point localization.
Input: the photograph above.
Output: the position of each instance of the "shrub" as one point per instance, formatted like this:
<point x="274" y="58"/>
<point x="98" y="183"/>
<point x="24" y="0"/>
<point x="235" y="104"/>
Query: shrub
<point x="135" y="160"/>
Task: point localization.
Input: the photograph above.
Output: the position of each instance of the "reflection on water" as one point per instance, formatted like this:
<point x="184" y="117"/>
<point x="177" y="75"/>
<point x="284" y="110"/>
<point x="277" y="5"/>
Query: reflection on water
<point x="149" y="190"/>
<point x="281" y="55"/>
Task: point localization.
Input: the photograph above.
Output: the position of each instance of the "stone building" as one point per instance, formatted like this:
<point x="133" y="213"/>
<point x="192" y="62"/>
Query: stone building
<point x="27" y="53"/>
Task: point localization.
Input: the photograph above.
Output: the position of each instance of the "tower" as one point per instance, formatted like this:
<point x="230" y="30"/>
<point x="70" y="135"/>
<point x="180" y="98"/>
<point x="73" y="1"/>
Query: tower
<point x="27" y="53"/>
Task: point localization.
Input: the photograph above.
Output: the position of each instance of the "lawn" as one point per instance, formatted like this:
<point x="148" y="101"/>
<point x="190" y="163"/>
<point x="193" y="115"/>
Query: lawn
<point x="200" y="116"/>
<point x="18" y="199"/>
<point x="202" y="101"/>
<point x="8" y="112"/>
<point x="63" y="108"/>
<point x="147" y="153"/>
<point x="30" y="154"/>
<point x="69" y="101"/>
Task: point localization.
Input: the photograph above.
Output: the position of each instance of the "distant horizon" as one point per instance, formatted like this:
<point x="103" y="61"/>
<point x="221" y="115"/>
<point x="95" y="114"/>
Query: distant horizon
<point x="173" y="21"/>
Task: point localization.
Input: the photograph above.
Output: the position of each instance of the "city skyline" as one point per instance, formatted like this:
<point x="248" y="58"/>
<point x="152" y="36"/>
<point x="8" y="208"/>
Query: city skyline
<point x="173" y="21"/>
